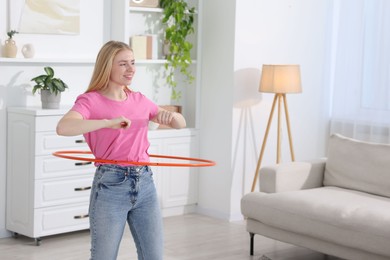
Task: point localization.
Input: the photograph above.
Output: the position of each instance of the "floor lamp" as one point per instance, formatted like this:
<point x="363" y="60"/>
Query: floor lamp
<point x="278" y="79"/>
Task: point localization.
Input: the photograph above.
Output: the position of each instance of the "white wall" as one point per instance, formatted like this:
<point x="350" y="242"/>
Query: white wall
<point x="232" y="130"/>
<point x="217" y="70"/>
<point x="15" y="84"/>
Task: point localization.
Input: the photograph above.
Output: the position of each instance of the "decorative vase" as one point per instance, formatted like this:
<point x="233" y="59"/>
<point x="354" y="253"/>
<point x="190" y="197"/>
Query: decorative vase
<point x="10" y="48"/>
<point x="28" y="50"/>
<point x="50" y="100"/>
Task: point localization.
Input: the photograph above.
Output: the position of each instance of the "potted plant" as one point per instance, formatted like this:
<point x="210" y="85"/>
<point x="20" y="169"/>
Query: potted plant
<point x="10" y="48"/>
<point x="179" y="20"/>
<point x="50" y="89"/>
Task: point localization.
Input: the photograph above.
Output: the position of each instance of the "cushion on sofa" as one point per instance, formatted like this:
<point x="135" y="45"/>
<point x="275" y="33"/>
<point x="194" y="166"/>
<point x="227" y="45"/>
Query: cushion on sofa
<point x="341" y="216"/>
<point x="358" y="165"/>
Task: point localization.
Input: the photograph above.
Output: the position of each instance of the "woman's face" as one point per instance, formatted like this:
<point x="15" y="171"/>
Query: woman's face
<point x="123" y="68"/>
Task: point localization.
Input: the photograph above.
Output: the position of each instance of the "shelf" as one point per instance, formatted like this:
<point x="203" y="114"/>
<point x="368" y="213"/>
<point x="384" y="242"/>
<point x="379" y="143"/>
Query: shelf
<point x="146" y="9"/>
<point x="47" y="60"/>
<point x="68" y="61"/>
<point x="159" y="61"/>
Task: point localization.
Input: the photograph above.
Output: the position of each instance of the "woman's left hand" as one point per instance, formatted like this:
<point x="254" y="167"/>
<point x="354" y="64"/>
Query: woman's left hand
<point x="172" y="119"/>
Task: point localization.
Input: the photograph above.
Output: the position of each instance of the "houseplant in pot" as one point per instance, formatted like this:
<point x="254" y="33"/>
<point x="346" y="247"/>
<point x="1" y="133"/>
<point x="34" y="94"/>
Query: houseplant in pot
<point x="178" y="18"/>
<point x="50" y="89"/>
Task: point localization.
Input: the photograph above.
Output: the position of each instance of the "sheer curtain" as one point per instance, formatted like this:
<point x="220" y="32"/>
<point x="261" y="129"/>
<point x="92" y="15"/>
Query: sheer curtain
<point x="360" y="69"/>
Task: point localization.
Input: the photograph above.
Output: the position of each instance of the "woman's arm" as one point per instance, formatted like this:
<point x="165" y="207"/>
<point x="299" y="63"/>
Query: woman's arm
<point x="72" y="123"/>
<point x="172" y="119"/>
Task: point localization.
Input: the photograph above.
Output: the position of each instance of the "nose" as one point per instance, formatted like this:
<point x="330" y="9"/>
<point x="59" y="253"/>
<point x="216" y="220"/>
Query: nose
<point x="130" y="67"/>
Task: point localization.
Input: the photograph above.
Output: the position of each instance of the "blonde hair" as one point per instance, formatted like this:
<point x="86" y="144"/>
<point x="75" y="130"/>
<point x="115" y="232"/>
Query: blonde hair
<point x="103" y="65"/>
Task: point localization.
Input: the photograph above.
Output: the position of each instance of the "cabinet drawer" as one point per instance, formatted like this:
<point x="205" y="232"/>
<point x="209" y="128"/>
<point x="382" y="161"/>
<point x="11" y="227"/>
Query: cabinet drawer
<point x="49" y="142"/>
<point x="62" y="191"/>
<point x="51" y="166"/>
<point x="56" y="220"/>
<point x="46" y="123"/>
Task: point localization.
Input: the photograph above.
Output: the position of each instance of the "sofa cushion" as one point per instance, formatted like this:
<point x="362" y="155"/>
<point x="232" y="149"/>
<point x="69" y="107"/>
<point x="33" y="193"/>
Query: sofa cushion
<point x="358" y="165"/>
<point x="340" y="216"/>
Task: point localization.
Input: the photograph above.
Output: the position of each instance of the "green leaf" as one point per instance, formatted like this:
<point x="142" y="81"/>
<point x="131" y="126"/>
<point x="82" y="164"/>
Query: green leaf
<point x="49" y="71"/>
<point x="39" y="79"/>
<point x="57" y="84"/>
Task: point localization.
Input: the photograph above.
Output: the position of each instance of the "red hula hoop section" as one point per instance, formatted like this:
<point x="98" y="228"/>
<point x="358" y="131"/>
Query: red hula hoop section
<point x="197" y="161"/>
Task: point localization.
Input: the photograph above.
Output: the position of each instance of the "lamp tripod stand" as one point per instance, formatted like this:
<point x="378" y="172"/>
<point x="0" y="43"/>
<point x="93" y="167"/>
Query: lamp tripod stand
<point x="279" y="97"/>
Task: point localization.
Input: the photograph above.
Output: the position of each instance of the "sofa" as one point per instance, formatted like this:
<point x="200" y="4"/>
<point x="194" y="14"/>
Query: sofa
<point x="338" y="205"/>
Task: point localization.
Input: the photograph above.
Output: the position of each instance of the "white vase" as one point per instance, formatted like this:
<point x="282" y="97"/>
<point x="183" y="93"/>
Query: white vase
<point x="10" y="48"/>
<point x="28" y="50"/>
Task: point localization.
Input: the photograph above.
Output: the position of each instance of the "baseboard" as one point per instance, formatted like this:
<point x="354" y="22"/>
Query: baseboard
<point x="5" y="233"/>
<point x="212" y="213"/>
<point x="177" y="211"/>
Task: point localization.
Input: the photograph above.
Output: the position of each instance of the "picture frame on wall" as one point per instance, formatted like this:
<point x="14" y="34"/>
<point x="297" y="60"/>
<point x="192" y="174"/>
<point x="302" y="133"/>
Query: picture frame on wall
<point x="45" y="16"/>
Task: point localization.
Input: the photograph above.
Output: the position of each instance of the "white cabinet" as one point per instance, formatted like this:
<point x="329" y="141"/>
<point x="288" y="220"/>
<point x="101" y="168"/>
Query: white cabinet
<point x="177" y="186"/>
<point x="46" y="195"/>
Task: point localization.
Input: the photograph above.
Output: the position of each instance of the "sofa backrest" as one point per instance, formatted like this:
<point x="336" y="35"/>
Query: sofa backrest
<point x="358" y="165"/>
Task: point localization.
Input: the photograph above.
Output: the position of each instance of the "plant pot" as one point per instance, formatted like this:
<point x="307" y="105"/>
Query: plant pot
<point x="50" y="100"/>
<point x="10" y="48"/>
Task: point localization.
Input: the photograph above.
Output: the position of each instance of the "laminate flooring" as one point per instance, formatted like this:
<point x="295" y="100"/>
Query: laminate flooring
<point x="187" y="237"/>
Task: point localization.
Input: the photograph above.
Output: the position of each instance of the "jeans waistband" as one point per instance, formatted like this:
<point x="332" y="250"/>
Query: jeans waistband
<point x="129" y="169"/>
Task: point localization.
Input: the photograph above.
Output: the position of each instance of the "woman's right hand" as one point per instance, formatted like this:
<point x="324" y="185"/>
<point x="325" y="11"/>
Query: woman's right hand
<point x="119" y="122"/>
<point x="72" y="123"/>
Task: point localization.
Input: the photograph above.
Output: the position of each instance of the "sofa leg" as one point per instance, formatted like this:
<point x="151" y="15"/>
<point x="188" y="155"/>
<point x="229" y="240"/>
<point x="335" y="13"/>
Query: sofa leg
<point x="252" y="239"/>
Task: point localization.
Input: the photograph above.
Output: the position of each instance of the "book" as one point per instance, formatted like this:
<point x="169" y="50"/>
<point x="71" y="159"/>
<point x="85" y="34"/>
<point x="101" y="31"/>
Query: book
<point x="144" y="46"/>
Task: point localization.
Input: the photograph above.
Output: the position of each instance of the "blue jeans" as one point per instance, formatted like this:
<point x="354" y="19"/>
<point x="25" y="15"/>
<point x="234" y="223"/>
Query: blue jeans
<point x="121" y="194"/>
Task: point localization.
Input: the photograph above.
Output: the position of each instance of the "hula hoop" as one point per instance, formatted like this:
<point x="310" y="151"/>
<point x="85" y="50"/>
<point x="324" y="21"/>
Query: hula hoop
<point x="200" y="162"/>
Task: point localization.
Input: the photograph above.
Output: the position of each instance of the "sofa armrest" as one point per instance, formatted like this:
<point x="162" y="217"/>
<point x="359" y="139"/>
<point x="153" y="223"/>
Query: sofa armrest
<point x="292" y="176"/>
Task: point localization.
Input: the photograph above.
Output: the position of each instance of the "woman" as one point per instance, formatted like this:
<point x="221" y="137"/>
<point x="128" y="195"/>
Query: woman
<point x="114" y="121"/>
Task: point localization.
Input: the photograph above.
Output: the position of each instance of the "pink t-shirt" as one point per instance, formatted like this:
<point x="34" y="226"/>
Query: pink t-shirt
<point x="129" y="144"/>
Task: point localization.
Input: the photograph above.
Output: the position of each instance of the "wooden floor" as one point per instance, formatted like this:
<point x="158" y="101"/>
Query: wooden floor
<point x="188" y="237"/>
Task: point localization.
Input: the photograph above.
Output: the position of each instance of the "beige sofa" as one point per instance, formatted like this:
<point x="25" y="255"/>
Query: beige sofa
<point x="339" y="206"/>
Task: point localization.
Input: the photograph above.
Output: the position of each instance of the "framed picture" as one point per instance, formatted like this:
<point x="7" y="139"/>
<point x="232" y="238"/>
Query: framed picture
<point x="45" y="16"/>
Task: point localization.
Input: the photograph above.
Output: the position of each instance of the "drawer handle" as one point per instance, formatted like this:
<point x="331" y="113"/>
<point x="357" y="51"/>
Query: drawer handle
<point x="80" y="141"/>
<point x="82" y="188"/>
<point x="82" y="163"/>
<point x="81" y="216"/>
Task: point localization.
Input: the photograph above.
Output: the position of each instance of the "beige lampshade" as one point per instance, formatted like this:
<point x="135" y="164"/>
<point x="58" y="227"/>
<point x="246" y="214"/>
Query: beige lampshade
<point x="280" y="79"/>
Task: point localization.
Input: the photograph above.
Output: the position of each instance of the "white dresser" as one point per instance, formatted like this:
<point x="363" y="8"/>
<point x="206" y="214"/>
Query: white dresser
<point x="46" y="195"/>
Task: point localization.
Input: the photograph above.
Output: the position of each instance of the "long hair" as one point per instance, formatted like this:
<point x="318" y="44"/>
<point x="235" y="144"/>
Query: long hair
<point x="103" y="65"/>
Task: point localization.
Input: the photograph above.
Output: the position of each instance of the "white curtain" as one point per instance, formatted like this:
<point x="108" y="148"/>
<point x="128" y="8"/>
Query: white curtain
<point x="360" y="69"/>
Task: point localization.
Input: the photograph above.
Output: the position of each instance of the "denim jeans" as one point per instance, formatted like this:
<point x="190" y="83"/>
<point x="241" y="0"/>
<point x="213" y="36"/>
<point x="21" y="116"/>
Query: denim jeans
<point x="119" y="195"/>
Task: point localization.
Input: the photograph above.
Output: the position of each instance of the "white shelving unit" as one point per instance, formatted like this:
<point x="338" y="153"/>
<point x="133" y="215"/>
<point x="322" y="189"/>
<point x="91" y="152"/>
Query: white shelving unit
<point x="178" y="186"/>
